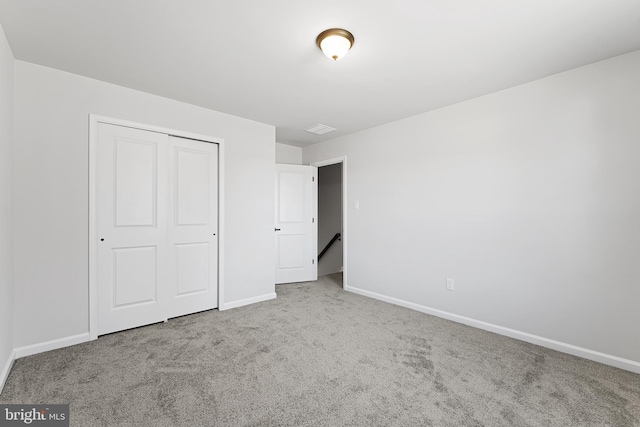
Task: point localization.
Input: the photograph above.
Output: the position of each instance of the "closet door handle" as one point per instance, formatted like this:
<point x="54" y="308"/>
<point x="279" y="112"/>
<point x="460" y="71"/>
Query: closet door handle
<point x="277" y="229"/>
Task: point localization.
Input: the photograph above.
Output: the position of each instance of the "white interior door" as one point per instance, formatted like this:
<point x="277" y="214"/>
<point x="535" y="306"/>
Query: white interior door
<point x="157" y="225"/>
<point x="296" y="225"/>
<point x="132" y="219"/>
<point x="193" y="226"/>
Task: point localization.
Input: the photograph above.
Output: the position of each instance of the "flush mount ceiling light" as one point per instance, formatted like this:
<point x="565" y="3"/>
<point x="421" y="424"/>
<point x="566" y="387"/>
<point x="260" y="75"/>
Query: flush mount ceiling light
<point x="335" y="42"/>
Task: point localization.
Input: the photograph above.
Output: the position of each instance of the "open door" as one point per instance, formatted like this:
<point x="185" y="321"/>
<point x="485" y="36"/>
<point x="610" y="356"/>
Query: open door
<point x="296" y="223"/>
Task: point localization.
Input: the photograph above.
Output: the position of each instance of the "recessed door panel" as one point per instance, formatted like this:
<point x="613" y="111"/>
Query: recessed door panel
<point x="135" y="276"/>
<point x="291" y="204"/>
<point x="192" y="187"/>
<point x="136" y="182"/>
<point x="192" y="266"/>
<point x="292" y="251"/>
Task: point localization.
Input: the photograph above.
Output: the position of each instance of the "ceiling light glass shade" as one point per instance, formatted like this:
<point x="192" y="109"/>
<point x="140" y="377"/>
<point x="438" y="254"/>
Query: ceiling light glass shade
<point x="335" y="47"/>
<point x="335" y="42"/>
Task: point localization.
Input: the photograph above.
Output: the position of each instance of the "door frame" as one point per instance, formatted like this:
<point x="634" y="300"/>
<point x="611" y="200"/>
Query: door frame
<point x="345" y="239"/>
<point x="94" y="119"/>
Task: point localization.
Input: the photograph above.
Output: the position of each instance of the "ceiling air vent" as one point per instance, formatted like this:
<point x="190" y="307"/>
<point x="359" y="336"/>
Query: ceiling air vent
<point x="320" y="129"/>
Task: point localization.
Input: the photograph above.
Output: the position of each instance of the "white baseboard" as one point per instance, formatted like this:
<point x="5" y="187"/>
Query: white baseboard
<point x="51" y="345"/>
<point x="607" y="359"/>
<point x="243" y="302"/>
<point x="6" y="369"/>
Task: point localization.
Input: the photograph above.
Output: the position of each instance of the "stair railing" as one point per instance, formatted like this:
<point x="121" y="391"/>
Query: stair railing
<point x="326" y="248"/>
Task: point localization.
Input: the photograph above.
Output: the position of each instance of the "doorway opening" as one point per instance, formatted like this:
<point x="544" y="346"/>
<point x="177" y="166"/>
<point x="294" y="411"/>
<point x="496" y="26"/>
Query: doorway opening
<point x="332" y="222"/>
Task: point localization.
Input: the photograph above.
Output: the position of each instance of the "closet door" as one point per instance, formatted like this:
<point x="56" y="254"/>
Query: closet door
<point x="157" y="220"/>
<point x="133" y="268"/>
<point x="193" y="226"/>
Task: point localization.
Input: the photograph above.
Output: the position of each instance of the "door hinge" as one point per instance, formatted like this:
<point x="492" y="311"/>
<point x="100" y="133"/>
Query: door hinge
<point x="313" y="261"/>
<point x="313" y="220"/>
<point x="313" y="179"/>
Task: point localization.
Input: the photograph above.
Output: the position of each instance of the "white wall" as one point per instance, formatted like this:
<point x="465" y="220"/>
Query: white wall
<point x="51" y="194"/>
<point x="329" y="217"/>
<point x="528" y="198"/>
<point x="288" y="154"/>
<point x="6" y="205"/>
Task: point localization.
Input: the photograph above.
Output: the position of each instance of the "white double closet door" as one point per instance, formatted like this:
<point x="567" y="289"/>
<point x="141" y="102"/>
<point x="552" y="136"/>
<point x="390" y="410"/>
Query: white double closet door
<point x="157" y="218"/>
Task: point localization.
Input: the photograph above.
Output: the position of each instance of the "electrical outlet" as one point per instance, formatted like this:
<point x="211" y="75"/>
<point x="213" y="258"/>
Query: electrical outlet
<point x="449" y="284"/>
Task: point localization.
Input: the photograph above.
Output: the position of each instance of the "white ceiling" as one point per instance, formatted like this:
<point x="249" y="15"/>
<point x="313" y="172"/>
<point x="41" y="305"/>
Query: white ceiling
<point x="258" y="59"/>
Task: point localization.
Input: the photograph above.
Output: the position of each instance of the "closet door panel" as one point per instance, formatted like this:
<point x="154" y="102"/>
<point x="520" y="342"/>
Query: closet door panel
<point x="132" y="223"/>
<point x="193" y="226"/>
